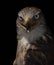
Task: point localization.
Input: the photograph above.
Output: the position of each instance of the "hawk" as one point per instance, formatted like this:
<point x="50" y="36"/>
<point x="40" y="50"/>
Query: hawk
<point x="35" y="39"/>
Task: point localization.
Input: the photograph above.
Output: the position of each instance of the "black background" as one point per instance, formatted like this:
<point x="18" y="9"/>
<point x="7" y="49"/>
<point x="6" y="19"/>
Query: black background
<point x="8" y="25"/>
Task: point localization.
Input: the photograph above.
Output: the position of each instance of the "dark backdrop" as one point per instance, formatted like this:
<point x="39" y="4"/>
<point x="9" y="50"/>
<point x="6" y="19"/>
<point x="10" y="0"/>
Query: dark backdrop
<point x="9" y="42"/>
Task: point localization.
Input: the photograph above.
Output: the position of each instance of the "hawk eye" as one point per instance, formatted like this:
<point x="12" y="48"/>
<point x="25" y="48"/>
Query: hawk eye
<point x="20" y="18"/>
<point x="37" y="16"/>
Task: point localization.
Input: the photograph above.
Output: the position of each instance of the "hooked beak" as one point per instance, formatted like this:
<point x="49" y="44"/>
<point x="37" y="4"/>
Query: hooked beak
<point x="26" y="24"/>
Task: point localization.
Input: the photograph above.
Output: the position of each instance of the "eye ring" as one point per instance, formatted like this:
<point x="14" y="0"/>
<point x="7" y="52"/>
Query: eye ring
<point x="20" y="18"/>
<point x="36" y="16"/>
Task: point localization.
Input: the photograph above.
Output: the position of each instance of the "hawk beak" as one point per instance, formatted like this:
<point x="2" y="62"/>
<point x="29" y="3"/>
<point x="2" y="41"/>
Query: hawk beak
<point x="21" y="25"/>
<point x="26" y="24"/>
<point x="27" y="20"/>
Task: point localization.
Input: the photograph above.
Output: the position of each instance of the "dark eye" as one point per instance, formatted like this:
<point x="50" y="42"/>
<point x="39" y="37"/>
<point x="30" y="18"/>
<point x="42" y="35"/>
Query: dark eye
<point x="20" y="18"/>
<point x="36" y="16"/>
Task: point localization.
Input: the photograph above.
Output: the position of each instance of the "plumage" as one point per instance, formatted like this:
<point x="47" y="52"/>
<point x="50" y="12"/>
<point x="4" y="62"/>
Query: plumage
<point x="35" y="40"/>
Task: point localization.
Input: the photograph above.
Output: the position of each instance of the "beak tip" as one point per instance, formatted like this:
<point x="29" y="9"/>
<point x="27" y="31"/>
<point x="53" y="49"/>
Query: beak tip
<point x="28" y="31"/>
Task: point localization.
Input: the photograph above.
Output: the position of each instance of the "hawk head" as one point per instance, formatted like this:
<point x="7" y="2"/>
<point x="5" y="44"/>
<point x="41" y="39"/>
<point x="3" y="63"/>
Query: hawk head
<point x="30" y="17"/>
